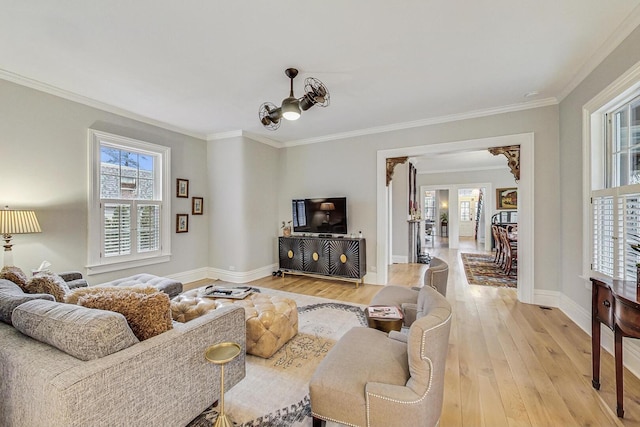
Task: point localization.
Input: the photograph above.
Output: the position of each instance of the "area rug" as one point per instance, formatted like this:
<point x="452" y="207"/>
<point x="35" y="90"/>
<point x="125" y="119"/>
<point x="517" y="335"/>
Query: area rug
<point x="275" y="391"/>
<point x="481" y="270"/>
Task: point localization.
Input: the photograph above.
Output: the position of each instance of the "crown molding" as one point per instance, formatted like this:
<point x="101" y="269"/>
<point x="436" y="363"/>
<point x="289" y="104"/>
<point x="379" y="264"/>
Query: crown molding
<point x="90" y="102"/>
<point x="244" y="134"/>
<point x="427" y="122"/>
<point x="627" y="26"/>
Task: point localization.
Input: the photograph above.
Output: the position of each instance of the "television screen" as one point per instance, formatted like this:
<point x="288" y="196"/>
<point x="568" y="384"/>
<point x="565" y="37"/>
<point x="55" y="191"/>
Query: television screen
<point x="323" y="215"/>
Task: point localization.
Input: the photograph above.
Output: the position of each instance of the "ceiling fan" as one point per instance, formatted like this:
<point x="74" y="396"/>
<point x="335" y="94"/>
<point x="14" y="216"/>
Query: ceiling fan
<point x="316" y="93"/>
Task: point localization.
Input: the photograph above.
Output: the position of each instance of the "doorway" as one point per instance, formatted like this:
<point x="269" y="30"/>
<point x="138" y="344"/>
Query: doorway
<point x="526" y="196"/>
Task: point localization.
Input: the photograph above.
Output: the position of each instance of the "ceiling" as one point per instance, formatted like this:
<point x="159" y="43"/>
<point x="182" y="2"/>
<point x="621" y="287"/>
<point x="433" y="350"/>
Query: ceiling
<point x="204" y="68"/>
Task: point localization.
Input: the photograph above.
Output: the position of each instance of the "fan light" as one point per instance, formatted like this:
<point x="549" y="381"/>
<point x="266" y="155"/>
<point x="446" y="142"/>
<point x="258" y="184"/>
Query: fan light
<point x="290" y="108"/>
<point x="316" y="93"/>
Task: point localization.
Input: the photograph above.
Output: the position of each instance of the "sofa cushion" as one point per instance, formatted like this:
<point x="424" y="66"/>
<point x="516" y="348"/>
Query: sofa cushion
<point x="148" y="314"/>
<point x="75" y="294"/>
<point x="11" y="296"/>
<point x="83" y="333"/>
<point x="47" y="283"/>
<point x="14" y="274"/>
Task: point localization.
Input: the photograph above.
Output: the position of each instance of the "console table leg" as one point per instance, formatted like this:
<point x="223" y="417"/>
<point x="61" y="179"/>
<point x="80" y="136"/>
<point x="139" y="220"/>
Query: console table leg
<point x="619" y="372"/>
<point x="595" y="352"/>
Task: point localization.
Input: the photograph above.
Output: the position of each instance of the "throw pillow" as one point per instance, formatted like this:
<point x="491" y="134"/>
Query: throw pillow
<point x="148" y="315"/>
<point x="11" y="296"/>
<point x="83" y="333"/>
<point x="75" y="294"/>
<point x="14" y="274"/>
<point x="46" y="283"/>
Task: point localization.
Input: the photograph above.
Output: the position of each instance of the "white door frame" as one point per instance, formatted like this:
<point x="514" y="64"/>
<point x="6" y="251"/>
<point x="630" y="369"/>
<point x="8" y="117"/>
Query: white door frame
<point x="525" y="201"/>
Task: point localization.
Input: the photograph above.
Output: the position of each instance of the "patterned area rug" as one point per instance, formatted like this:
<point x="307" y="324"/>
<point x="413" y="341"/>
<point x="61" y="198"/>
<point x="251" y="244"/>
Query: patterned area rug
<point x="481" y="270"/>
<point x="275" y="391"/>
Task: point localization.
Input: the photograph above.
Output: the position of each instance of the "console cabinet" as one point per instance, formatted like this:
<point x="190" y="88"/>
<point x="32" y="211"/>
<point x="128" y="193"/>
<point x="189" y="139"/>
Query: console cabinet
<point x="341" y="258"/>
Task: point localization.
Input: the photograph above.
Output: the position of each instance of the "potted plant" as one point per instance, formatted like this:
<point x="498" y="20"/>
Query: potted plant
<point x="286" y="229"/>
<point x="444" y="218"/>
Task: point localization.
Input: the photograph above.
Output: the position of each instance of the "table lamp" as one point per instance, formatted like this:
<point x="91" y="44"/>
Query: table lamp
<point x="327" y="207"/>
<point x="16" y="222"/>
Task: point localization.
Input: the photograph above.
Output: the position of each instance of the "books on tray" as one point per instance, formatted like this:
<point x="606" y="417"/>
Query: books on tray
<point x="384" y="312"/>
<point x="233" y="292"/>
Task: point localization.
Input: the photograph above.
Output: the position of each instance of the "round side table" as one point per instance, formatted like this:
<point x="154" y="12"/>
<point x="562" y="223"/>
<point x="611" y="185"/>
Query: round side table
<point x="221" y="354"/>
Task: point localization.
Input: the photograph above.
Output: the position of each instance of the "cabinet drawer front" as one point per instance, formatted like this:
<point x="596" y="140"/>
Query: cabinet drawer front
<point x="604" y="306"/>
<point x="628" y="319"/>
<point x="290" y="254"/>
<point x="345" y="258"/>
<point x="315" y="256"/>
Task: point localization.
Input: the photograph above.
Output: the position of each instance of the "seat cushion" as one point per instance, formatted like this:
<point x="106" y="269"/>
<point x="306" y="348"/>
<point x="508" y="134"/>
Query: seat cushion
<point x="83" y="333"/>
<point x="361" y="356"/>
<point x="395" y="295"/>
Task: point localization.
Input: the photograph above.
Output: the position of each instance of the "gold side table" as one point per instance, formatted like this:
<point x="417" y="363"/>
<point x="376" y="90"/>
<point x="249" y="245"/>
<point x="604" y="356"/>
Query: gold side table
<point x="221" y="354"/>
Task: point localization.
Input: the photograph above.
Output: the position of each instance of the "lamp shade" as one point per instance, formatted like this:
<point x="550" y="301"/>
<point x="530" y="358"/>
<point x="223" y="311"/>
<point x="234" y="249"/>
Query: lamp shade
<point x="18" y="222"/>
<point x="327" y="207"/>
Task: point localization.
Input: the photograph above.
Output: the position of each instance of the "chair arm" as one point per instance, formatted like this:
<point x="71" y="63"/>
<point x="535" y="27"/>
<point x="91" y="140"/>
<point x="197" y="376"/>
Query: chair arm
<point x="398" y="336"/>
<point x="68" y="276"/>
<point x="410" y="311"/>
<point x="388" y="403"/>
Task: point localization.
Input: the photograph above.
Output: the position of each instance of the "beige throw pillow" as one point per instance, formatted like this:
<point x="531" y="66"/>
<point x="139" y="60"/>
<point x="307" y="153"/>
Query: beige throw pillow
<point x="14" y="274"/>
<point x="46" y="283"/>
<point x="148" y="315"/>
<point x="75" y="294"/>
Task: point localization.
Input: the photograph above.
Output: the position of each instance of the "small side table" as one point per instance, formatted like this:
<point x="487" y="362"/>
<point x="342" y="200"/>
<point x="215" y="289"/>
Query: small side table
<point x="387" y="323"/>
<point x="221" y="354"/>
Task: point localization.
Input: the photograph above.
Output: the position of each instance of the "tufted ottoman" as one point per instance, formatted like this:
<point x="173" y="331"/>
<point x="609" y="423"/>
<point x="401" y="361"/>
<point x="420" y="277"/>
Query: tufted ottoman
<point x="271" y="320"/>
<point x="168" y="286"/>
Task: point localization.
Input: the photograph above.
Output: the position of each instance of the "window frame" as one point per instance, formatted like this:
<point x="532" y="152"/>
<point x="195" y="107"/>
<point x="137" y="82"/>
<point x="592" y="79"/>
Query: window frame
<point x="597" y="172"/>
<point x="96" y="263"/>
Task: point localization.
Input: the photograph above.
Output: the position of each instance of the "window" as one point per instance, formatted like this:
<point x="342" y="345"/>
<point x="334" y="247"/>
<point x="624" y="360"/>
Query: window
<point x="430" y="205"/>
<point x="615" y="197"/>
<point x="465" y="211"/>
<point x="129" y="203"/>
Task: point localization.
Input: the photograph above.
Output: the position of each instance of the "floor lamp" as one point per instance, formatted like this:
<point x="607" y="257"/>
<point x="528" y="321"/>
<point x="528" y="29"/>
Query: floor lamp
<point x="16" y="222"/>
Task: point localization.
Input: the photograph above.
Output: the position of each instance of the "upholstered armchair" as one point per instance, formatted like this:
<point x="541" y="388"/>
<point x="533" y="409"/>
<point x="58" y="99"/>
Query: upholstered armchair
<point x="370" y="378"/>
<point x="436" y="277"/>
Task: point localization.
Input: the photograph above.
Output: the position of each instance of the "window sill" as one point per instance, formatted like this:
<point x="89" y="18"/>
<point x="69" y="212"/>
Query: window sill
<point x="123" y="265"/>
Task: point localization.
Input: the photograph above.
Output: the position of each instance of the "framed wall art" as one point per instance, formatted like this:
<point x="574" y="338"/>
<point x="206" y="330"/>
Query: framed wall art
<point x="182" y="188"/>
<point x="196" y="205"/>
<point x="507" y="198"/>
<point x="182" y="223"/>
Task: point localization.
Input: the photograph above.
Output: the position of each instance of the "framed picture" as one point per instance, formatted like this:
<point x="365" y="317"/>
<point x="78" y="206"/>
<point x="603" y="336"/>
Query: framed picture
<point x="507" y="198"/>
<point x="182" y="223"/>
<point x="196" y="205"/>
<point x="182" y="188"/>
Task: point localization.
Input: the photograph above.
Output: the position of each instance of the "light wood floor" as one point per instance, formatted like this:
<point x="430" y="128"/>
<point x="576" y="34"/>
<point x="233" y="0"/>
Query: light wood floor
<point x="509" y="364"/>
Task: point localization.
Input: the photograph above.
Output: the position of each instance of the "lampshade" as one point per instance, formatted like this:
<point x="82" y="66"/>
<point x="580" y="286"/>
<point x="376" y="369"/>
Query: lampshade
<point x="327" y="207"/>
<point x="16" y="222"/>
<point x="290" y="108"/>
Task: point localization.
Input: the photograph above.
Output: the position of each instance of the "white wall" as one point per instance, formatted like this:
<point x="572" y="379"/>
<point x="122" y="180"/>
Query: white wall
<point x="43" y="147"/>
<point x="354" y="162"/>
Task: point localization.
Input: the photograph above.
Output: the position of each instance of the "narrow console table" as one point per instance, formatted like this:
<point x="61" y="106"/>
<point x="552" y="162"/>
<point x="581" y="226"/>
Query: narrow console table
<point x="337" y="257"/>
<point x="615" y="303"/>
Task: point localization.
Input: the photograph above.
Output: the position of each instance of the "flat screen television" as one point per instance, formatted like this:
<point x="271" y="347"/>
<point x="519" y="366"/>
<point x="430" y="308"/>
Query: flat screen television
<point x="322" y="215"/>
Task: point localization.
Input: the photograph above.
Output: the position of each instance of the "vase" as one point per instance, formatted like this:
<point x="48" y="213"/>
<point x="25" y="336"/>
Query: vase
<point x="286" y="231"/>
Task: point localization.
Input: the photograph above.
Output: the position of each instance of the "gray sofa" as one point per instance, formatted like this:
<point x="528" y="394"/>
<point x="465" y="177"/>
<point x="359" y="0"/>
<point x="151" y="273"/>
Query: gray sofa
<point x="164" y="380"/>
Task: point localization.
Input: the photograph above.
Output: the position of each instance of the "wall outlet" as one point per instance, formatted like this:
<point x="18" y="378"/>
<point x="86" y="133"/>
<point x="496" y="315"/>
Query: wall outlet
<point x="232" y="267"/>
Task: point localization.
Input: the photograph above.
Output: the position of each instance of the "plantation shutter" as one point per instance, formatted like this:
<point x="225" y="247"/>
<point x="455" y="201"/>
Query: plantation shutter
<point x="148" y="229"/>
<point x="117" y="229"/>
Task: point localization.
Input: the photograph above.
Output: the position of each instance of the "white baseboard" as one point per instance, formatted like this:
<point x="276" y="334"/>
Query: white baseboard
<point x="546" y="298"/>
<point x="241" y="276"/>
<point x="399" y="259"/>
<point x="190" y="276"/>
